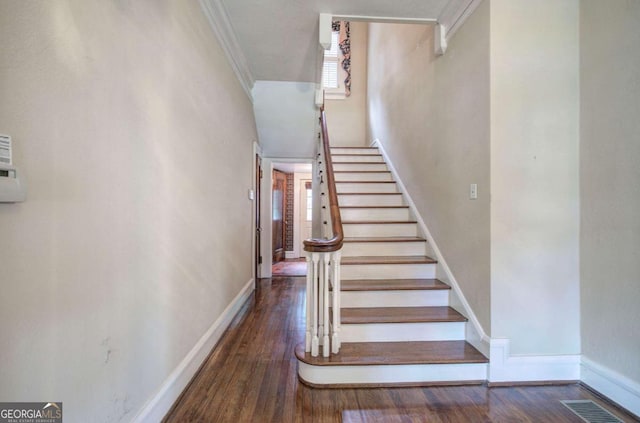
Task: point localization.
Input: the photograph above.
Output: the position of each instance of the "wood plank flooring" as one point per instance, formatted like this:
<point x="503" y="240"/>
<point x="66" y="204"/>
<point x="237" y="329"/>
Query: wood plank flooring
<point x="392" y="284"/>
<point x="439" y="352"/>
<point x="387" y="260"/>
<point x="251" y="376"/>
<point x="401" y="315"/>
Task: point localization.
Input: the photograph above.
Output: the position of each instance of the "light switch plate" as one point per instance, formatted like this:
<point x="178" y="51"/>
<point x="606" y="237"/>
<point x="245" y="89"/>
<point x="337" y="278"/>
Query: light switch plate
<point x="473" y="191"/>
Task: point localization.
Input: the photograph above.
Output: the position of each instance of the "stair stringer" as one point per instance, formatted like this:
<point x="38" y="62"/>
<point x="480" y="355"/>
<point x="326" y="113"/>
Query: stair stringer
<point x="474" y="333"/>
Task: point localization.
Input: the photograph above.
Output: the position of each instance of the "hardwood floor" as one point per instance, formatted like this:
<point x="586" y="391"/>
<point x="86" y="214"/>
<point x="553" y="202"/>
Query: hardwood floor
<point x="251" y="377"/>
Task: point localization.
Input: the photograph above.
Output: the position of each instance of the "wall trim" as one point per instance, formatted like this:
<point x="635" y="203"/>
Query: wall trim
<point x="455" y="14"/>
<point x="221" y="25"/>
<point x="611" y="384"/>
<point x="503" y="367"/>
<point x="384" y="19"/>
<point x="475" y="335"/>
<point x="161" y="402"/>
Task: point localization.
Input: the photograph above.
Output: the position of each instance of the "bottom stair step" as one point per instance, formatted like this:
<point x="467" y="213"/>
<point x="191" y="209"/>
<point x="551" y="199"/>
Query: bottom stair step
<point x="395" y="363"/>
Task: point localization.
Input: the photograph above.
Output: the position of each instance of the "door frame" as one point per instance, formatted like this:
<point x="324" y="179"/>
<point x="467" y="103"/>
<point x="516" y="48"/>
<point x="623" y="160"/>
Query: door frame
<point x="298" y="182"/>
<point x="257" y="227"/>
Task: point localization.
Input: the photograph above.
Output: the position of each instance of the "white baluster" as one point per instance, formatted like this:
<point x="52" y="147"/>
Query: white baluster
<point x="314" y="341"/>
<point x="325" y="301"/>
<point x="310" y="276"/>
<point x="320" y="298"/>
<point x="335" y="263"/>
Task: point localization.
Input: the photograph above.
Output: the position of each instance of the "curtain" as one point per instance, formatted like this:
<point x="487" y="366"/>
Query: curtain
<point x="344" y="43"/>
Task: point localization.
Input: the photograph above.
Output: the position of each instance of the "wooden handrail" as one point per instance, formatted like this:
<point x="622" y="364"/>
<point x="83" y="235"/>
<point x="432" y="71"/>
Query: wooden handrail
<point x="334" y="243"/>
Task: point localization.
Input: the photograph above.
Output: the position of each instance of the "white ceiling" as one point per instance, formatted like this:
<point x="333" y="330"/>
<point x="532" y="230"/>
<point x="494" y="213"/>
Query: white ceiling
<point x="274" y="50"/>
<point x="279" y="38"/>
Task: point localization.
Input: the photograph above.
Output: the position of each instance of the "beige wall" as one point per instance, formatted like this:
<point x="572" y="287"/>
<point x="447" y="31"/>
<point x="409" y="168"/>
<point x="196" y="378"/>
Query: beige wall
<point x="136" y="141"/>
<point x="432" y="116"/>
<point x="346" y="117"/>
<point x="610" y="184"/>
<point x="534" y="176"/>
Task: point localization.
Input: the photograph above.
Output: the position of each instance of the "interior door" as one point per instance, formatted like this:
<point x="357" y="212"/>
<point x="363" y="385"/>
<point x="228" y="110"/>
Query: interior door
<point x="258" y="256"/>
<point x="278" y="197"/>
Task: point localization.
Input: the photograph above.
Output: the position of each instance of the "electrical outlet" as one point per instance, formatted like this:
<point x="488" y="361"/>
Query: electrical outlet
<point x="473" y="191"/>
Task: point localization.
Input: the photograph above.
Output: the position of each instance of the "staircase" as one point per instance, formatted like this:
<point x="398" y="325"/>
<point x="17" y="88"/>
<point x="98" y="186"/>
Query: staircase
<point x="397" y="328"/>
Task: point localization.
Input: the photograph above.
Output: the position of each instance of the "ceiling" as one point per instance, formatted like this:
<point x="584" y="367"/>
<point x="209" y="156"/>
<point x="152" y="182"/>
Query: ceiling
<point x="273" y="47"/>
<point x="279" y="38"/>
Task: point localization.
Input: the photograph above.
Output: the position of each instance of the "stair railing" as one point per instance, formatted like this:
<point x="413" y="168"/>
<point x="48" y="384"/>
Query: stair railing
<point x="323" y="259"/>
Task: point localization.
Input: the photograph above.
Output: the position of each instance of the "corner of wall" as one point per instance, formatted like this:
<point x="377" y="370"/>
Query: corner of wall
<point x="503" y="367"/>
<point x="615" y="386"/>
<point x="159" y="405"/>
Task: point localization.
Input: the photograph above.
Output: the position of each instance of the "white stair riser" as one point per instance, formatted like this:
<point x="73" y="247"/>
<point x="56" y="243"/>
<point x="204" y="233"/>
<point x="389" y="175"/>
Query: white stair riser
<point x="405" y="248"/>
<point x="354" y="187"/>
<point x="369" y="199"/>
<point x="402" y="332"/>
<point x="375" y="214"/>
<point x="338" y="150"/>
<point x="352" y="158"/>
<point x="380" y="229"/>
<point x="359" y="166"/>
<point x="400" y="298"/>
<point x="400" y="373"/>
<point x="363" y="176"/>
<point x="388" y="271"/>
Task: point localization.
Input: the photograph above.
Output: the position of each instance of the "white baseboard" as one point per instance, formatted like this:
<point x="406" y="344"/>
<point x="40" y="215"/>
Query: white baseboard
<point x="618" y="388"/>
<point x="506" y="368"/>
<point x="157" y="407"/>
<point x="476" y="336"/>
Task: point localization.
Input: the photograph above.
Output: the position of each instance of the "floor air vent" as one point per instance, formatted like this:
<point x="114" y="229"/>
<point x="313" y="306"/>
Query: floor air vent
<point x="590" y="412"/>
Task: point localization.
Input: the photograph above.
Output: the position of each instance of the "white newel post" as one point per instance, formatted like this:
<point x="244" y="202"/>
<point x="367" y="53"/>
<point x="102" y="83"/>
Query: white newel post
<point x="335" y="265"/>
<point x="314" y="304"/>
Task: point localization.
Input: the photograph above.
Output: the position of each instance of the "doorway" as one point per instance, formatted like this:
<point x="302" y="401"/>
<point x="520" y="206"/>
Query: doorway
<point x="289" y="224"/>
<point x="278" y="222"/>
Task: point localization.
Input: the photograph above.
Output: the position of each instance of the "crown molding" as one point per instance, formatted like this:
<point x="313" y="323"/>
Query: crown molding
<point x="221" y="25"/>
<point x="454" y="15"/>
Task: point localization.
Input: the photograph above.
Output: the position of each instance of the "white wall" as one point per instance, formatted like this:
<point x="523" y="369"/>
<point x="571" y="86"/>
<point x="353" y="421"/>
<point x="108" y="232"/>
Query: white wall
<point x="534" y="176"/>
<point x="136" y="139"/>
<point x="432" y="116"/>
<point x="610" y="184"/>
<point x="286" y="117"/>
<point x="346" y="117"/>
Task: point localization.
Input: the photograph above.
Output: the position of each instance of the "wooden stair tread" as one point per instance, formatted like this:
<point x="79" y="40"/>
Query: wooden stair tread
<point x="365" y="182"/>
<point x="355" y="146"/>
<point x="361" y="171"/>
<point x="392" y="284"/>
<point x="387" y="260"/>
<point x="357" y="154"/>
<point x="385" y="239"/>
<point x="369" y="193"/>
<point x="396" y="353"/>
<point x="400" y="315"/>
<point x="364" y="163"/>
<point x="374" y="207"/>
<point x="376" y="222"/>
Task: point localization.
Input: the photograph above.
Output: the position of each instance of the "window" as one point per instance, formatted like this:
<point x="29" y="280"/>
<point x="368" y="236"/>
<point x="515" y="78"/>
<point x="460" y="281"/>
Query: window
<point x="331" y="64"/>
<point x="309" y="202"/>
